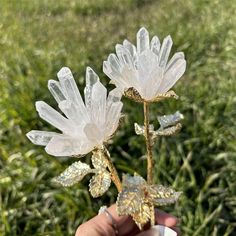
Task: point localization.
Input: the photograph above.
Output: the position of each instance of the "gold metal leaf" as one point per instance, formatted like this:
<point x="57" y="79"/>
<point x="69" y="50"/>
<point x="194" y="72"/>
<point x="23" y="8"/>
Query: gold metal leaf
<point x="162" y="195"/>
<point x="168" y="131"/>
<point x="142" y="216"/>
<point x="134" y="95"/>
<point x="169" y="94"/>
<point x="99" y="183"/>
<point x="73" y="174"/>
<point x="99" y="160"/>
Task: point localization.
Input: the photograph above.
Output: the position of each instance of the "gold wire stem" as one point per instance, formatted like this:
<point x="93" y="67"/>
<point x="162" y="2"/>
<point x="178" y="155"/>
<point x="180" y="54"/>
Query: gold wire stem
<point x="114" y="175"/>
<point x="150" y="161"/>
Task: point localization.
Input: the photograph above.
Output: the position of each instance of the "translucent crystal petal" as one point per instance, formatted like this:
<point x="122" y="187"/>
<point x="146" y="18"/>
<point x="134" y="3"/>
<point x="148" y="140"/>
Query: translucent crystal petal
<point x="174" y="59"/>
<point x="73" y="174"/>
<point x="142" y="40"/>
<point x="165" y="51"/>
<point x="114" y="63"/>
<point x="52" y="116"/>
<point x="124" y="56"/>
<point x="99" y="183"/>
<point x="71" y="91"/>
<point x="98" y="103"/>
<point x="68" y="146"/>
<point x="69" y="109"/>
<point x="93" y="133"/>
<point x="40" y="137"/>
<point x="155" y="45"/>
<point x="91" y="79"/>
<point x="112" y="118"/>
<point x="172" y="75"/>
<point x="55" y="89"/>
<point x="130" y="47"/>
<point x="169" y="120"/>
<point x="114" y="96"/>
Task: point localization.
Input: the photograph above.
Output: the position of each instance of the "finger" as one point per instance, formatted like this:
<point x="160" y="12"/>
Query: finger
<point x="163" y="218"/>
<point x="177" y="230"/>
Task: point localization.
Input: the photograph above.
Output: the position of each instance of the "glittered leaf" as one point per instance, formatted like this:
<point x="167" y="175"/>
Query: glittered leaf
<point x="99" y="183"/>
<point x="129" y="201"/>
<point x="162" y="195"/>
<point x="134" y="95"/>
<point x="169" y="120"/>
<point x="129" y="181"/>
<point x="143" y="215"/>
<point x="140" y="130"/>
<point x="99" y="160"/>
<point x="170" y="94"/>
<point x="168" y="131"/>
<point x="73" y="174"/>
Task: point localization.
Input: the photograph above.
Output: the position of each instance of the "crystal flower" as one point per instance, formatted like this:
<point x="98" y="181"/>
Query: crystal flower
<point x="85" y="126"/>
<point x="145" y="69"/>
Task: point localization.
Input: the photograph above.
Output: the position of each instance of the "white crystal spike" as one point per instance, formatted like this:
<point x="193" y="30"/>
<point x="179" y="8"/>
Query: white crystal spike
<point x="52" y="116"/>
<point x="177" y="56"/>
<point x="155" y="45"/>
<point x="142" y="40"/>
<point x="165" y="51"/>
<point x="56" y="91"/>
<point x="41" y="138"/>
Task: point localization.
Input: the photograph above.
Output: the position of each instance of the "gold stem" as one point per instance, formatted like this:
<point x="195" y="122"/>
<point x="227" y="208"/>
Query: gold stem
<point x="150" y="161"/>
<point x="114" y="175"/>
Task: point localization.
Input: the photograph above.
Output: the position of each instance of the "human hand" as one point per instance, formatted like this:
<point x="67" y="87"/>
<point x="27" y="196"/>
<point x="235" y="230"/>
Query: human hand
<point x="101" y="225"/>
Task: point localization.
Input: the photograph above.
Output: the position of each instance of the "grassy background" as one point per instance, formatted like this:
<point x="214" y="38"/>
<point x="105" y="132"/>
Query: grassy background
<point x="37" y="38"/>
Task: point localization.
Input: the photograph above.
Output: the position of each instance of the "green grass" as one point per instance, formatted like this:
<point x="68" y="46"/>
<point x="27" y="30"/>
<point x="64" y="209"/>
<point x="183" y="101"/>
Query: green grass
<point x="37" y="38"/>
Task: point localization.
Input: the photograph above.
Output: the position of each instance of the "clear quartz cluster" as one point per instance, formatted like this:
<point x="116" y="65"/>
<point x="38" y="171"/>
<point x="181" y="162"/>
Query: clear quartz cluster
<point x="84" y="126"/>
<point x="145" y="68"/>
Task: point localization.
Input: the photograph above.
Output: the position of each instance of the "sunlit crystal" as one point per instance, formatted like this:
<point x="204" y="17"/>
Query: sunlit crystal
<point x="85" y="126"/>
<point x="144" y="73"/>
<point x="169" y="120"/>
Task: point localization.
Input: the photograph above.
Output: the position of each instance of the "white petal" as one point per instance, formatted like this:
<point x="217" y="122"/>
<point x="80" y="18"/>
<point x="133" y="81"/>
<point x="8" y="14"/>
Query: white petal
<point x="56" y="91"/>
<point x="67" y="146"/>
<point x="98" y="103"/>
<point x="93" y="133"/>
<point x="124" y="56"/>
<point x="172" y="76"/>
<point x="71" y="91"/>
<point x="142" y="40"/>
<point x="114" y="96"/>
<point x="91" y="79"/>
<point x="165" y="51"/>
<point x="174" y="59"/>
<point x="112" y="118"/>
<point x="114" y="76"/>
<point x="161" y="230"/>
<point x="130" y="47"/>
<point x="52" y="116"/>
<point x="155" y="45"/>
<point x="114" y="63"/>
<point x="41" y="138"/>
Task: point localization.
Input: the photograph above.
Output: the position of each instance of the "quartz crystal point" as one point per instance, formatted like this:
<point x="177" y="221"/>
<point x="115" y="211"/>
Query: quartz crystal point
<point x="144" y="73"/>
<point x="138" y="199"/>
<point x="84" y="126"/>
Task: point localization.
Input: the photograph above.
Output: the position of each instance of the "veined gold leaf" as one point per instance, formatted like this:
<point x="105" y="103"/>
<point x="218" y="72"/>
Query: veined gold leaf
<point x="134" y="95"/>
<point x="143" y="215"/>
<point x="169" y="94"/>
<point x="73" y="174"/>
<point x="98" y="160"/>
<point x="99" y="183"/>
<point x="162" y="195"/>
<point x="168" y="131"/>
